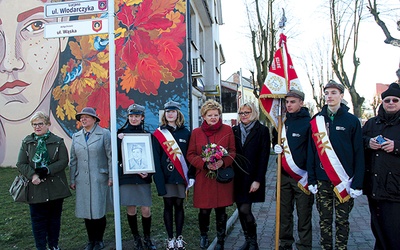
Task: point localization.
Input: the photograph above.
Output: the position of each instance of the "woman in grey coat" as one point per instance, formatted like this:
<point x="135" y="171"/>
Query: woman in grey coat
<point x="91" y="175"/>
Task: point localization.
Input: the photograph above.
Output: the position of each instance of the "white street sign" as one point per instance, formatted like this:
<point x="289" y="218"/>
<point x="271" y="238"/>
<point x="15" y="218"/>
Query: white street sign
<point x="75" y="8"/>
<point x="76" y="28"/>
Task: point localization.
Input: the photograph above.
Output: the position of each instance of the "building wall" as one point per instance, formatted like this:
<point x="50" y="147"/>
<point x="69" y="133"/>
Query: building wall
<point x="61" y="76"/>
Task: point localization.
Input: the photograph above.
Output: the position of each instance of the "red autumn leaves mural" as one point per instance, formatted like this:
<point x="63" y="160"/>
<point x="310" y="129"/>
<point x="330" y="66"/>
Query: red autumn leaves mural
<point x="148" y="34"/>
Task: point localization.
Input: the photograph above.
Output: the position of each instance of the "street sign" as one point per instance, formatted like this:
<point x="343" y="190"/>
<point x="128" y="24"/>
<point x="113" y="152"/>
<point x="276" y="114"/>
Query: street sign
<point x="76" y="28"/>
<point x="75" y="8"/>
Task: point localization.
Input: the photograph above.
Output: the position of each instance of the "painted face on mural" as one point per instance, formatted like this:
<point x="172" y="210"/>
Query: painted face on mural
<point x="28" y="63"/>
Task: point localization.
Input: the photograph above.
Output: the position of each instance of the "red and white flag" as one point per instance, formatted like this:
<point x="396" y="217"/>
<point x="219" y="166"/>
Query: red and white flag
<point x="280" y="79"/>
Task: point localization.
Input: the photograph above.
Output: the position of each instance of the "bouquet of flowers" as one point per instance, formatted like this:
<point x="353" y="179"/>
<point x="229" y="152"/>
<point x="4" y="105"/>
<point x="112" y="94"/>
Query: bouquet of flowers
<point x="211" y="153"/>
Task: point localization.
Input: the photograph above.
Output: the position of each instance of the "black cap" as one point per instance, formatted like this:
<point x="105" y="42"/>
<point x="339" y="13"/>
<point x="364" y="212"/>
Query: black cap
<point x="393" y="90"/>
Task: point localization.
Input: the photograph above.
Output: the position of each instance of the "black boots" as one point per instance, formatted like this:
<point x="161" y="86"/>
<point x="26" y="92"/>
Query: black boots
<point x="221" y="230"/>
<point x="146" y="223"/>
<point x="204" y="223"/>
<point x="137" y="241"/>
<point x="250" y="236"/>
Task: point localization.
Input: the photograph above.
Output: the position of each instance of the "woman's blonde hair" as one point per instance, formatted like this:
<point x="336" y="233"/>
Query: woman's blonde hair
<point x="40" y="115"/>
<point x="254" y="111"/>
<point x="180" y="120"/>
<point x="210" y="105"/>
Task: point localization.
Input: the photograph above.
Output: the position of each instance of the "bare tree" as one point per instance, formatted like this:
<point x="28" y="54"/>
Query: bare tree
<point x="317" y="64"/>
<point x="373" y="9"/>
<point x="263" y="37"/>
<point x="345" y="18"/>
<point x="375" y="104"/>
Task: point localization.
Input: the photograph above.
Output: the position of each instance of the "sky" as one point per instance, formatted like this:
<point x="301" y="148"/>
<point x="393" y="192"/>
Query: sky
<point x="307" y="22"/>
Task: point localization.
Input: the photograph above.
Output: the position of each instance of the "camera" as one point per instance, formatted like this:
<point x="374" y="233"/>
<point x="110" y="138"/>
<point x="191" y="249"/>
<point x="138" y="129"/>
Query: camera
<point x="379" y="139"/>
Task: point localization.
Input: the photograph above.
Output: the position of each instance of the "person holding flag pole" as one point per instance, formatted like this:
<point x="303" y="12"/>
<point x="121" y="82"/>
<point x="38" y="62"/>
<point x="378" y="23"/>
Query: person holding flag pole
<point x="281" y="77"/>
<point x="336" y="170"/>
<point x="295" y="137"/>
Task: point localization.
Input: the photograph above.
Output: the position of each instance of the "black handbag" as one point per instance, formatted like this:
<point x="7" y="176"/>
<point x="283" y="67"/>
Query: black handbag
<point x="19" y="189"/>
<point x="225" y="175"/>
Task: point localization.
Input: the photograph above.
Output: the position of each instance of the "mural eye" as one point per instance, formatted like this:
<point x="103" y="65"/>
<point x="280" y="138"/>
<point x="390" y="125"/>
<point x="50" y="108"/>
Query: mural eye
<point x="35" y="26"/>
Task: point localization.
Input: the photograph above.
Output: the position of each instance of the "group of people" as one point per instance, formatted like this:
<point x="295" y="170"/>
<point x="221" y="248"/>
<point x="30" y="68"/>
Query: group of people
<point x="329" y="155"/>
<point x="180" y="162"/>
<point x="336" y="159"/>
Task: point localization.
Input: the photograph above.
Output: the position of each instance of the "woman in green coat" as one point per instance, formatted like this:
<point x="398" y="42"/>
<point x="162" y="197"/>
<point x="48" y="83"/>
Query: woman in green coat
<point x="42" y="159"/>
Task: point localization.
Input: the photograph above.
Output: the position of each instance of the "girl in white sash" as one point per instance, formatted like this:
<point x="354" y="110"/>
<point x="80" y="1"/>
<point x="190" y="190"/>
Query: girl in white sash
<point x="171" y="170"/>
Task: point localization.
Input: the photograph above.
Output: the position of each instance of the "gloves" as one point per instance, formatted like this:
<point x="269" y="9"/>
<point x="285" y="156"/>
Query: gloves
<point x="354" y="193"/>
<point x="42" y="172"/>
<point x="278" y="149"/>
<point x="191" y="182"/>
<point x="313" y="188"/>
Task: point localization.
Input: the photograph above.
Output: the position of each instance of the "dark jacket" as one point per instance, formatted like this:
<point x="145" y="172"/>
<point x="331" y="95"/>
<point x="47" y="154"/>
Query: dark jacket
<point x="298" y="134"/>
<point x="130" y="178"/>
<point x="382" y="173"/>
<point x="55" y="186"/>
<point x="345" y="136"/>
<point x="166" y="173"/>
<point x="252" y="157"/>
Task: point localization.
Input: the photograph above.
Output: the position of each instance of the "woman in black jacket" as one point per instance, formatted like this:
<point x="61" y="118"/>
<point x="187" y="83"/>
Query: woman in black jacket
<point x="171" y="170"/>
<point x="135" y="189"/>
<point x="252" y="141"/>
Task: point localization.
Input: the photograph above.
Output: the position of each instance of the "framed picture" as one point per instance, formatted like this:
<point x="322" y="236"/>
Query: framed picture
<point x="137" y="154"/>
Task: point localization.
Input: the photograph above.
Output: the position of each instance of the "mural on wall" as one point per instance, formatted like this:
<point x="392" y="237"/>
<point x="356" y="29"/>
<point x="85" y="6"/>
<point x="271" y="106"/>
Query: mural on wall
<point x="61" y="76"/>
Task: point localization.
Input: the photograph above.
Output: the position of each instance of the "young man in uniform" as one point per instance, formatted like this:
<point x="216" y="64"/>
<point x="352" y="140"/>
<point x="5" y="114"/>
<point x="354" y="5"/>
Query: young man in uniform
<point x="295" y="137"/>
<point x="336" y="172"/>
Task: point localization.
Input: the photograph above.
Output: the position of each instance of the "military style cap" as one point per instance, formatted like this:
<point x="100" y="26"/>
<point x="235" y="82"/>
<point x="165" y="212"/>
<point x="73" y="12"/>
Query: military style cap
<point x="87" y="111"/>
<point x="295" y="93"/>
<point x="333" y="84"/>
<point x="171" y="105"/>
<point x="393" y="90"/>
<point x="136" y="109"/>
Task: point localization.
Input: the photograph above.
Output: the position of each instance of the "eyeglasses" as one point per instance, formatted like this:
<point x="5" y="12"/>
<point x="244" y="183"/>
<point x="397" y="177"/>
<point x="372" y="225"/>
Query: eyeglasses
<point x="39" y="125"/>
<point x="246" y="113"/>
<point x="394" y="100"/>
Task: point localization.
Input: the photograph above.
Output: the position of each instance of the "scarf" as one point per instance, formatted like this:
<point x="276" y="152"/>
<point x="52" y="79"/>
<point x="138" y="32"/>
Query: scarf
<point x="41" y="157"/>
<point x="209" y="130"/>
<point x="245" y="130"/>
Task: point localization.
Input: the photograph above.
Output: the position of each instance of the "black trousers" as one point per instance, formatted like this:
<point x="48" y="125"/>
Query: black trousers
<point x="385" y="223"/>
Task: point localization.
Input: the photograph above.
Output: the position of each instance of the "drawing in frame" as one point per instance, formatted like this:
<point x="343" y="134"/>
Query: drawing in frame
<point x="137" y="154"/>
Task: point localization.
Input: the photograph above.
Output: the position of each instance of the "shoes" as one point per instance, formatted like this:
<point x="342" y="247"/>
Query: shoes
<point x="137" y="243"/>
<point x="204" y="241"/>
<point x="98" y="245"/>
<point x="89" y="245"/>
<point x="54" y="248"/>
<point x="180" y="243"/>
<point x="148" y="244"/>
<point x="171" y="244"/>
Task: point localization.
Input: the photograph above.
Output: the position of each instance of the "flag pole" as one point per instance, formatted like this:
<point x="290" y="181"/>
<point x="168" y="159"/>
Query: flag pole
<point x="282" y="24"/>
<point x="278" y="179"/>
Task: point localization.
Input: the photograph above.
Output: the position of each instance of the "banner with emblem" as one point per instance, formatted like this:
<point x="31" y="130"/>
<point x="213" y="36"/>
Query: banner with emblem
<point x="280" y="79"/>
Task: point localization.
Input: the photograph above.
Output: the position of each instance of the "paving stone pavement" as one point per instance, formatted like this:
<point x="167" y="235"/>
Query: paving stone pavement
<point x="360" y="237"/>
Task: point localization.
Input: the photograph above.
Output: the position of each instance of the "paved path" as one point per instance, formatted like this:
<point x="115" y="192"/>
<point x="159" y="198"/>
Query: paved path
<point x="360" y="238"/>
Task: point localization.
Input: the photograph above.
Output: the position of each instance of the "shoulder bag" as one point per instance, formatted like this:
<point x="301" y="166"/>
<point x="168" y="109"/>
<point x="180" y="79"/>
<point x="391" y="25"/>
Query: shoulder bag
<point x="19" y="189"/>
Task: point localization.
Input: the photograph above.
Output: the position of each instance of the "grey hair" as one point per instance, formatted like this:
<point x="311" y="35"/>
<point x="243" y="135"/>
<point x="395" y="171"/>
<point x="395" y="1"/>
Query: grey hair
<point x="40" y="115"/>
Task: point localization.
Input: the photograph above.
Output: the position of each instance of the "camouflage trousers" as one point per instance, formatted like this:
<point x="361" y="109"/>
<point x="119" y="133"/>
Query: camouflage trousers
<point x="327" y="202"/>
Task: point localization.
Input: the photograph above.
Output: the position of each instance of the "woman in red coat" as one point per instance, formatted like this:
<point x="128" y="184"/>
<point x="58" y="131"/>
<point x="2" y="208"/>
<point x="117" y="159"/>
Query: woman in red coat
<point x="208" y="193"/>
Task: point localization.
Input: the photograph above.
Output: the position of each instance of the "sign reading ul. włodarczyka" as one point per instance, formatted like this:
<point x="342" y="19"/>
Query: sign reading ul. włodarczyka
<point x="74" y="8"/>
<point x="76" y="28"/>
